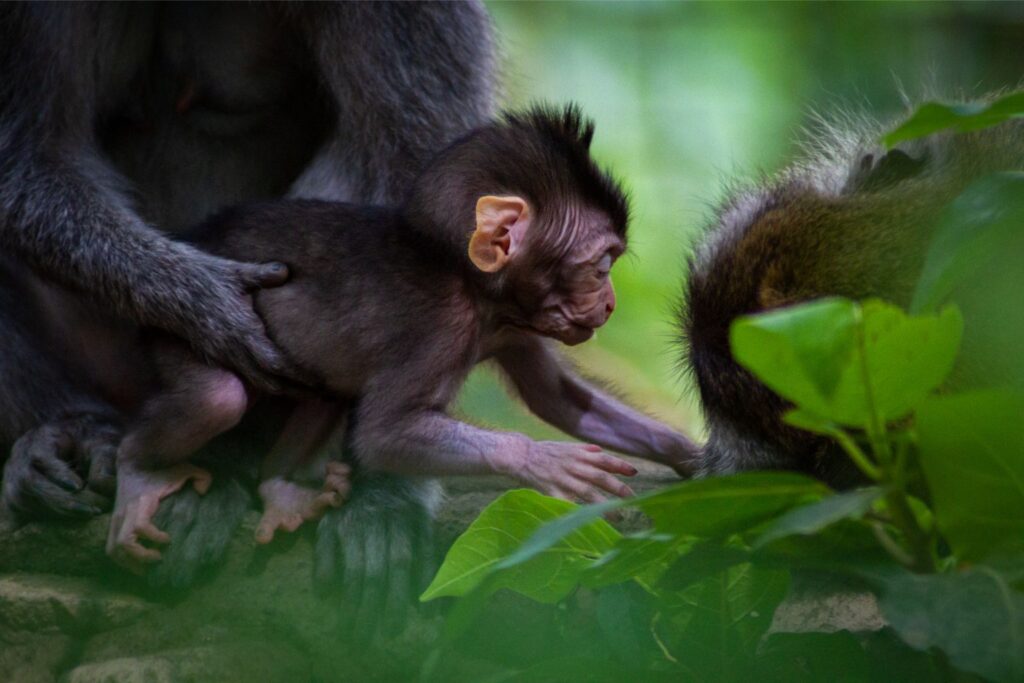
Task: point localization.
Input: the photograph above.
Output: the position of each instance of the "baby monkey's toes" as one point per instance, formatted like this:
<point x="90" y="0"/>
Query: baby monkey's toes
<point x="286" y="505"/>
<point x="139" y="493"/>
<point x="338" y="479"/>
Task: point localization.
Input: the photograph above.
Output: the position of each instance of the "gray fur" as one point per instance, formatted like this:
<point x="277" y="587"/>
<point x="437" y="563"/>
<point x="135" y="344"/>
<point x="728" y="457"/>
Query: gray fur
<point x="340" y="101"/>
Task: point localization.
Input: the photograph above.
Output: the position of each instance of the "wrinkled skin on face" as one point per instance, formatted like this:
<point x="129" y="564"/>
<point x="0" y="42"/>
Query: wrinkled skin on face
<point x="579" y="296"/>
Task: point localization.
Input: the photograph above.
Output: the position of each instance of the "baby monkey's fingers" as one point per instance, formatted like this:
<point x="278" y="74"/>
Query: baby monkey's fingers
<point x="272" y="520"/>
<point x="287" y="504"/>
<point x="125" y="544"/>
<point x="338" y="480"/>
<point x="602" y="480"/>
<point x="609" y="463"/>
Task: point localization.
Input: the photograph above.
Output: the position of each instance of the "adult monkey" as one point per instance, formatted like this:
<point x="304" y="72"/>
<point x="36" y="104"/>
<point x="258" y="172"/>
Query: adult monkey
<point x="122" y="122"/>
<point x="849" y="219"/>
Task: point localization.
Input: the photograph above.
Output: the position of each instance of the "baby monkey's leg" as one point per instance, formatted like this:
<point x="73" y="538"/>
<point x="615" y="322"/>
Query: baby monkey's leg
<point x="287" y="504"/>
<point x="198" y="403"/>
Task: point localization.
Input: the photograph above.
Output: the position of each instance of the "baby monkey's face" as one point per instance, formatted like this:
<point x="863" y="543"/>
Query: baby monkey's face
<point x="581" y="297"/>
<point x="557" y="269"/>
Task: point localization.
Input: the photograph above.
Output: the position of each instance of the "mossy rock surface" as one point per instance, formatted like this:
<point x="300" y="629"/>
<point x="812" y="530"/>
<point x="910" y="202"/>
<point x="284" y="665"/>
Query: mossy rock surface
<point x="68" y="614"/>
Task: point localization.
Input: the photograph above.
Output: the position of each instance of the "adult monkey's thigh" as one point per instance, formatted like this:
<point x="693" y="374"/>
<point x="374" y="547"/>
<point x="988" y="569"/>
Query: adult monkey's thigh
<point x="66" y="73"/>
<point x="63" y="438"/>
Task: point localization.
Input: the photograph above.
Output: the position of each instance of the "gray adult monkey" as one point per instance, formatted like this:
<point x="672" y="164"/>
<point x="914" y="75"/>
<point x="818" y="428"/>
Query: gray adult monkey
<point x="122" y="124"/>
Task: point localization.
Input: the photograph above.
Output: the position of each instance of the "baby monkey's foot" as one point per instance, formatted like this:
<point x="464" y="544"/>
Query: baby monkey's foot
<point x="286" y="505"/>
<point x="139" y="493"/>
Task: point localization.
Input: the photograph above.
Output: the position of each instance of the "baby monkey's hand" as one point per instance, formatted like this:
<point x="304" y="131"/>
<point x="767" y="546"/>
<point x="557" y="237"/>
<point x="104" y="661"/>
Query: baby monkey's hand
<point x="574" y="471"/>
<point x="286" y="505"/>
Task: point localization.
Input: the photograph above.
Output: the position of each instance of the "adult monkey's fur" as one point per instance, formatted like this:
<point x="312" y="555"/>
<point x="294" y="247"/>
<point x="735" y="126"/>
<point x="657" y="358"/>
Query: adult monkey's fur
<point x="848" y="219"/>
<point x="120" y="122"/>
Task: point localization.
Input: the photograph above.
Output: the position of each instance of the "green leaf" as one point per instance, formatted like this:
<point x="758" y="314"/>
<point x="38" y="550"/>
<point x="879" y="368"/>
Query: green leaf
<point x="979" y="225"/>
<point x="549" y="575"/>
<point x="933" y="117"/>
<point x="703" y="560"/>
<point x="716" y="506"/>
<point x="843" y="362"/>
<point x="847" y="548"/>
<point x="644" y="557"/>
<point x="972" y="453"/>
<point x="800" y="351"/>
<point x="810" y="519"/>
<point x="721" y="506"/>
<point x="715" y="624"/>
<point x="801" y="419"/>
<point x="907" y="356"/>
<point x="975" y="617"/>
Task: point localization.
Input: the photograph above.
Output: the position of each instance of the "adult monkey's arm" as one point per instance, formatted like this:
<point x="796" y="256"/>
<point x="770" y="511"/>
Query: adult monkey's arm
<point x="64" y="213"/>
<point x="394" y="108"/>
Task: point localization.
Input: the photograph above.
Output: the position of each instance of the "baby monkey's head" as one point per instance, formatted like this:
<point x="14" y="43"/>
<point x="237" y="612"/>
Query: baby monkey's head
<point x="535" y="220"/>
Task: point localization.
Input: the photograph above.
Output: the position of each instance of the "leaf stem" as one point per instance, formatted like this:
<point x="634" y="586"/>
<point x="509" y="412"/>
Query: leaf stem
<point x="891" y="473"/>
<point x="891" y="546"/>
<point x="859" y="457"/>
<point x="876" y="425"/>
<point x="918" y="540"/>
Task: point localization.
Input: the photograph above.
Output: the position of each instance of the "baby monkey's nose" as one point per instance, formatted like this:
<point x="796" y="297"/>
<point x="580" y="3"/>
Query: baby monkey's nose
<point x="609" y="302"/>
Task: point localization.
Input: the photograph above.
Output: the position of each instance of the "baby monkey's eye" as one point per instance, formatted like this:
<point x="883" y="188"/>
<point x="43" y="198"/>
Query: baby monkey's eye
<point x="605" y="264"/>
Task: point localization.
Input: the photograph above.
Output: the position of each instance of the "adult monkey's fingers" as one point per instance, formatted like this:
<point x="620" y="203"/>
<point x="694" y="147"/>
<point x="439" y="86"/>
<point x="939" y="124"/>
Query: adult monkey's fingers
<point x="57" y="500"/>
<point x="258" y="275"/>
<point x="57" y="470"/>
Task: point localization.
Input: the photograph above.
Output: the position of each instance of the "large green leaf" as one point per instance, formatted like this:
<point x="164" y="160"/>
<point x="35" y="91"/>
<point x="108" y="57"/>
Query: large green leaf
<point x="809" y="519"/>
<point x="501" y="528"/>
<point x="714" y="626"/>
<point x="978" y="226"/>
<point x="975" y="617"/>
<point x="847" y="548"/>
<point x="722" y="506"/>
<point x="800" y="351"/>
<point x="844" y="362"/>
<point x="933" y="117"/>
<point x="972" y="453"/>
<point x="716" y="506"/>
<point x="643" y="556"/>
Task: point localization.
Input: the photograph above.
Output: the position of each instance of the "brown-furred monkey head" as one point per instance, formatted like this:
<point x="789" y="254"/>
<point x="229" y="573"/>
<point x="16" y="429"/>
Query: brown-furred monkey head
<point x="533" y="221"/>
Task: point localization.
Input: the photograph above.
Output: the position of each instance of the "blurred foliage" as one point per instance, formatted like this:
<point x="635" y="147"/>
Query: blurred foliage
<point x="699" y="92"/>
<point x="688" y="96"/>
<point x="708" y="576"/>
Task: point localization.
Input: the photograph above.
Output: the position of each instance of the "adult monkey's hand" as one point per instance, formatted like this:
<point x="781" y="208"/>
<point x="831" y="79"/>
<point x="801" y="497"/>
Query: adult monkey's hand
<point x="207" y="300"/>
<point x="61" y="469"/>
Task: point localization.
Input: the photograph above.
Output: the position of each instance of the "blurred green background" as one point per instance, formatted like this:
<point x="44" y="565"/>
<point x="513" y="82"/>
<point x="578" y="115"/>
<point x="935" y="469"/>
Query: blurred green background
<point x="689" y="95"/>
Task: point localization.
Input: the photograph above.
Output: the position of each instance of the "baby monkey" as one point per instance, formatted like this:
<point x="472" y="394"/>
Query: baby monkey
<point x="504" y="242"/>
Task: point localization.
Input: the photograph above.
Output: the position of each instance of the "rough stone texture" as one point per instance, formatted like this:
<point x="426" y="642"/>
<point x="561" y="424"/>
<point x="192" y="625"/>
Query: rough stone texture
<point x="251" y="661"/>
<point x="28" y="657"/>
<point x="67" y="613"/>
<point x="47" y="603"/>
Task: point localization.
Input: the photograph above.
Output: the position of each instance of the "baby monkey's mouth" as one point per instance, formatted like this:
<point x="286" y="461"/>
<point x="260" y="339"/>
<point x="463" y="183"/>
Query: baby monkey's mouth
<point x="569" y="334"/>
<point x="577" y="334"/>
<point x="573" y="334"/>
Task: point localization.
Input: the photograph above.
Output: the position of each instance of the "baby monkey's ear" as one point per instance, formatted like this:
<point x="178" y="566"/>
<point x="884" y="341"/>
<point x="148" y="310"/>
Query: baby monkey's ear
<point x="501" y="225"/>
